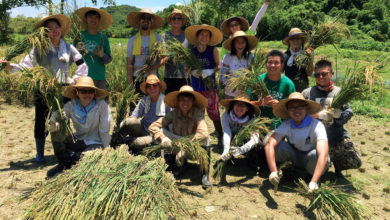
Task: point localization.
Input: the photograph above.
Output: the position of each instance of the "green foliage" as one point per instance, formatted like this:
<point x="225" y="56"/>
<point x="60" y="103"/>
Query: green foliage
<point x="120" y="28"/>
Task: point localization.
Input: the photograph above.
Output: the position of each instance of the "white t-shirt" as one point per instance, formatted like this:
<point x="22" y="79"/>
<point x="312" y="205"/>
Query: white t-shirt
<point x="305" y="138"/>
<point x="140" y="60"/>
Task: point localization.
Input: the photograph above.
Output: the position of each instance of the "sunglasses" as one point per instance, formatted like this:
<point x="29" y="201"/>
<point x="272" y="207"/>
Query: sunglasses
<point x="294" y="108"/>
<point x="86" y="91"/>
<point x="323" y="74"/>
<point x="176" y="18"/>
<point x="146" y="18"/>
<point x="152" y="85"/>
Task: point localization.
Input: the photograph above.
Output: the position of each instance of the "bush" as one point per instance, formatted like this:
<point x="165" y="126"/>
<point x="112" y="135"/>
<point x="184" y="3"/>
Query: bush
<point x="365" y="45"/>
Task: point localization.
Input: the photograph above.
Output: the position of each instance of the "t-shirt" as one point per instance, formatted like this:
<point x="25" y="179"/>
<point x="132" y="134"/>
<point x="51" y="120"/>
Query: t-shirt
<point x="175" y="70"/>
<point x="140" y="60"/>
<point x="278" y="90"/>
<point x="96" y="69"/>
<point x="305" y="138"/>
<point x="207" y="60"/>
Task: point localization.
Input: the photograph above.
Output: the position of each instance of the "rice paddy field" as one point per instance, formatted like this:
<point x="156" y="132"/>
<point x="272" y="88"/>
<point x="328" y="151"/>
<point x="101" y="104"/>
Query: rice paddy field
<point x="245" y="193"/>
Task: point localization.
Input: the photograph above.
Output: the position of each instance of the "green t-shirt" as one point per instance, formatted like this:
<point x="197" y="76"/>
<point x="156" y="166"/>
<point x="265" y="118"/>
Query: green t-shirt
<point x="279" y="90"/>
<point x="224" y="51"/>
<point x="96" y="69"/>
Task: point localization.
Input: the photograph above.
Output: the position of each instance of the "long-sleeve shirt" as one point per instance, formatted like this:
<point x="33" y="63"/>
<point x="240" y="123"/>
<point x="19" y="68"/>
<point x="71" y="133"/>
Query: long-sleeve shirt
<point x="97" y="126"/>
<point x="192" y="124"/>
<point x="258" y="17"/>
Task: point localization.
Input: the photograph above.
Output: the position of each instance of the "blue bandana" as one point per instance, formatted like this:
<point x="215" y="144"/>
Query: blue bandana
<point x="305" y="122"/>
<point x="81" y="112"/>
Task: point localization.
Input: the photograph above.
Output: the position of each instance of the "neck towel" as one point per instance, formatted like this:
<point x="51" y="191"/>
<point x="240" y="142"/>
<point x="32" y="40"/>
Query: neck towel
<point x="62" y="53"/>
<point x="290" y="60"/>
<point x="81" y="112"/>
<point x="326" y="88"/>
<point x="138" y="42"/>
<point x="235" y="118"/>
<point x="160" y="105"/>
<point x="305" y="122"/>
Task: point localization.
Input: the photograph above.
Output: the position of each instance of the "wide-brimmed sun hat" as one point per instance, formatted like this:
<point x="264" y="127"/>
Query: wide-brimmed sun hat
<point x="133" y="19"/>
<point x="225" y="25"/>
<point x="241" y="97"/>
<point x="152" y="79"/>
<point x="295" y="32"/>
<point x="252" y="40"/>
<point x="105" y="18"/>
<point x="171" y="99"/>
<point x="216" y="34"/>
<point x="177" y="11"/>
<point x="84" y="82"/>
<point x="280" y="109"/>
<point x="62" y="19"/>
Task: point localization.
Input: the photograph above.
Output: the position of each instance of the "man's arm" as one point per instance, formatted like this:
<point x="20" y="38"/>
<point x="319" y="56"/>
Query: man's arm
<point x="270" y="150"/>
<point x="322" y="152"/>
<point x="129" y="68"/>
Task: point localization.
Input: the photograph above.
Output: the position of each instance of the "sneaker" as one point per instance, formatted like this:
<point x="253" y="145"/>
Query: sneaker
<point x="39" y="158"/>
<point x="54" y="171"/>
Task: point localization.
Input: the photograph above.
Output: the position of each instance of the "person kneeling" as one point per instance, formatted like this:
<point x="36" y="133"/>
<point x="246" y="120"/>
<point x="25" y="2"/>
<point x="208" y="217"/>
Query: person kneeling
<point x="91" y="118"/>
<point x="133" y="130"/>
<point x="307" y="144"/>
<point x="187" y="119"/>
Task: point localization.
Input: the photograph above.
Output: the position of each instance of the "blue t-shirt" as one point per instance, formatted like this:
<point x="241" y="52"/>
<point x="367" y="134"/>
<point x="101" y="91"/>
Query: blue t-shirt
<point x="207" y="60"/>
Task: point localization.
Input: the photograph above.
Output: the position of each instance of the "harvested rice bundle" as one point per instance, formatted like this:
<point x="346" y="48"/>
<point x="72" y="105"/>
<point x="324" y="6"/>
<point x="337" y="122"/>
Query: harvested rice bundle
<point x="260" y="126"/>
<point x="109" y="184"/>
<point x="330" y="202"/>
<point x="158" y="51"/>
<point x="38" y="39"/>
<point x="329" y="32"/>
<point x="193" y="149"/>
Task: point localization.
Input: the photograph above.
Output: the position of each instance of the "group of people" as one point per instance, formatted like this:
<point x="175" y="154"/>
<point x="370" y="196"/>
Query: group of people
<point x="305" y="130"/>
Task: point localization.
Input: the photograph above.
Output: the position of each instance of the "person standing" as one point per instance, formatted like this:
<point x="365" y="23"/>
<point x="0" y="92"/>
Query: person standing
<point x="96" y="44"/>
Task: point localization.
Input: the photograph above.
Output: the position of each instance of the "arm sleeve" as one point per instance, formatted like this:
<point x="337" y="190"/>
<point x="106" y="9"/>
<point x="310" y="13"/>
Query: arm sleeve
<point x="258" y="17"/>
<point x="320" y="132"/>
<point x="28" y="61"/>
<point x="251" y="143"/>
<point x="140" y="109"/>
<point x="346" y="115"/>
<point x="283" y="128"/>
<point x="81" y="66"/>
<point x="155" y="128"/>
<point x="227" y="133"/>
<point x="202" y="133"/>
<point x="104" y="124"/>
<point x="224" y="69"/>
<point x="68" y="108"/>
<point x="130" y="45"/>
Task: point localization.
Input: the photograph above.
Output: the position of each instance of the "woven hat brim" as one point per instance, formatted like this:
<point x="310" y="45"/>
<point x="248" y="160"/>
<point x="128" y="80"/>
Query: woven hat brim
<point x="252" y="42"/>
<point x="105" y="18"/>
<point x="185" y="18"/>
<point x="133" y="19"/>
<point x="280" y="109"/>
<point x="225" y="27"/>
<point x="70" y="91"/>
<point x="216" y="34"/>
<point x="227" y="102"/>
<point x="171" y="99"/>
<point x="303" y="35"/>
<point x="62" y="19"/>
<point x="163" y="86"/>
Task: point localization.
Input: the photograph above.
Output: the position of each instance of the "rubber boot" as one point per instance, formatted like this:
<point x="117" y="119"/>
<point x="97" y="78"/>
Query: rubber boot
<point x="40" y="147"/>
<point x="218" y="129"/>
<point x="205" y="175"/>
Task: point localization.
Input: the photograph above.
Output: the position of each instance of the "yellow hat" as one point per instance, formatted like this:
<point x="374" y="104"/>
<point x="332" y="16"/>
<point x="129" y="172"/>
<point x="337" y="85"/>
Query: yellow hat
<point x="295" y="32"/>
<point x="242" y="97"/>
<point x="83" y="82"/>
<point x="105" y="18"/>
<point x="62" y="19"/>
<point x="280" y="109"/>
<point x="152" y="79"/>
<point x="252" y="40"/>
<point x="133" y="19"/>
<point x="216" y="34"/>
<point x="171" y="99"/>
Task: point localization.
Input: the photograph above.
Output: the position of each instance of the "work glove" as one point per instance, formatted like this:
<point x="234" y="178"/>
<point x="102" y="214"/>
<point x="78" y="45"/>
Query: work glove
<point x="53" y="126"/>
<point x="225" y="155"/>
<point x="166" y="142"/>
<point x="98" y="52"/>
<point x="337" y="113"/>
<point x="274" y="178"/>
<point x="69" y="81"/>
<point x="326" y="116"/>
<point x="312" y="186"/>
<point x="80" y="47"/>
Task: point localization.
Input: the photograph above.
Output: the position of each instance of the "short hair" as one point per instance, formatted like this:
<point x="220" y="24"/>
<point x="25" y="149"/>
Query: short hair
<point x="91" y="13"/>
<point x="323" y="63"/>
<point x="51" y="20"/>
<point x="187" y="95"/>
<point x="277" y="53"/>
<point x="198" y="32"/>
<point x="246" y="51"/>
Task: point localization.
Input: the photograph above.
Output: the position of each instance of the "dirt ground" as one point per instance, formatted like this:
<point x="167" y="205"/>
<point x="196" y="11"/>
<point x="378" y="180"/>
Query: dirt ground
<point x="246" y="193"/>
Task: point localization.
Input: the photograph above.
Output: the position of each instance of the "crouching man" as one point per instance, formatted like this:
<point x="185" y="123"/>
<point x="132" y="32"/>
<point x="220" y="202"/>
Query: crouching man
<point x="187" y="119"/>
<point x="306" y="144"/>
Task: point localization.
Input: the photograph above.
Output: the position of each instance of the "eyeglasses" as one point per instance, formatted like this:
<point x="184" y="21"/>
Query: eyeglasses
<point x="177" y="18"/>
<point x="323" y="74"/>
<point x="151" y="85"/>
<point x="294" y="108"/>
<point x="146" y="18"/>
<point x="86" y="91"/>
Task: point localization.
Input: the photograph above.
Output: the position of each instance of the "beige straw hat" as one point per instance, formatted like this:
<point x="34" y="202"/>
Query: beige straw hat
<point x="62" y="19"/>
<point x="133" y="18"/>
<point x="225" y="25"/>
<point x="152" y="79"/>
<point x="83" y="82"/>
<point x="171" y="99"/>
<point x="252" y="40"/>
<point x="280" y="109"/>
<point x="242" y="97"/>
<point x="105" y="18"/>
<point x="293" y="33"/>
<point x="216" y="34"/>
<point x="177" y="11"/>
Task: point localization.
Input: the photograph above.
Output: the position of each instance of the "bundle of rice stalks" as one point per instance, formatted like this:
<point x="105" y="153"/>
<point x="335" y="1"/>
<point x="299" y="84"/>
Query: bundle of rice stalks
<point x="38" y="39"/>
<point x="193" y="149"/>
<point x="6" y="86"/>
<point x="330" y="32"/>
<point x="157" y="52"/>
<point x="109" y="184"/>
<point x="259" y="125"/>
<point x="330" y="202"/>
<point x="193" y="11"/>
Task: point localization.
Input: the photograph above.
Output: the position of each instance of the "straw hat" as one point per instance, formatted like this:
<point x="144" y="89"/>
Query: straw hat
<point x="252" y="40"/>
<point x="225" y="25"/>
<point x="242" y="97"/>
<point x="105" y="18"/>
<point x="177" y="11"/>
<point x="83" y="82"/>
<point x="280" y="109"/>
<point x="152" y="79"/>
<point x="171" y="99"/>
<point x="293" y="33"/>
<point x="133" y="19"/>
<point x="62" y="19"/>
<point x="216" y="34"/>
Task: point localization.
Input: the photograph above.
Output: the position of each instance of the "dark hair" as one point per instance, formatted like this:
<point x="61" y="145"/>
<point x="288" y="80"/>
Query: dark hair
<point x="234" y="19"/>
<point x="187" y="95"/>
<point x="51" y="20"/>
<point x="323" y="63"/>
<point x="91" y="13"/>
<point x="246" y="51"/>
<point x="277" y="53"/>
<point x="294" y="100"/>
<point x="198" y="32"/>
<point x="251" y="110"/>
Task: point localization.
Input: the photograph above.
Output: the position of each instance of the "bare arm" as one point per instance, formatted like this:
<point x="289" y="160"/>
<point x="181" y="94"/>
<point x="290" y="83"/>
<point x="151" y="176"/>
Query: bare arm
<point x="322" y="152"/>
<point x="216" y="59"/>
<point x="270" y="151"/>
<point x="310" y="66"/>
